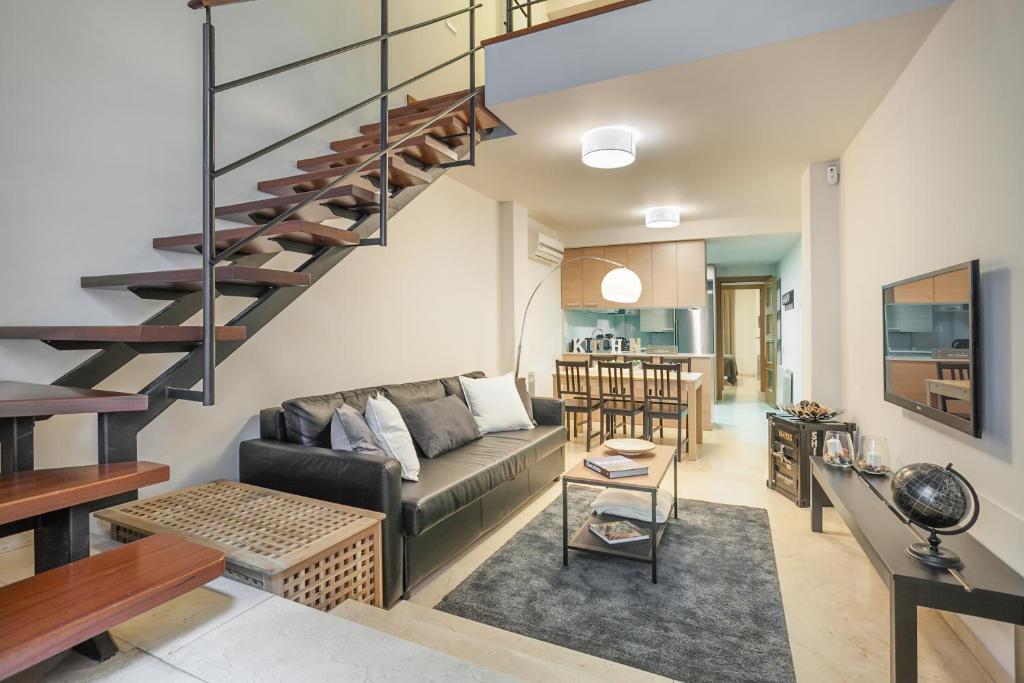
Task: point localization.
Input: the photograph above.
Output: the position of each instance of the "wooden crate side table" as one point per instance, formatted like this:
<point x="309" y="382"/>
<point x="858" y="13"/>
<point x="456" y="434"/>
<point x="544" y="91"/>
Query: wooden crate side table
<point x="310" y="551"/>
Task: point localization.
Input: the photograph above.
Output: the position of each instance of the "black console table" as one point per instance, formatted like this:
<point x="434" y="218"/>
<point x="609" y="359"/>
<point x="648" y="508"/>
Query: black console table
<point x="986" y="587"/>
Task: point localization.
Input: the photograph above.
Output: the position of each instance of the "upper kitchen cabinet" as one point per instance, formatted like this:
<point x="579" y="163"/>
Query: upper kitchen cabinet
<point x="572" y="279"/>
<point x="672" y="275"/>
<point x="916" y="292"/>
<point x="953" y="287"/>
<point x="691" y="274"/>
<point x="638" y="259"/>
<point x="619" y="255"/>
<point x="593" y="273"/>
<point x="664" y="290"/>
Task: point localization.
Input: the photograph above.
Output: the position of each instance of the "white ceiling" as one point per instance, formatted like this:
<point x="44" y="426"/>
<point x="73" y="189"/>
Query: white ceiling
<point x="751" y="249"/>
<point x="721" y="137"/>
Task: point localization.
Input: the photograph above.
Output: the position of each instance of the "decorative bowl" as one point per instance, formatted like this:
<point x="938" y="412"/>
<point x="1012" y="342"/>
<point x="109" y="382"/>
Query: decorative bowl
<point x="629" y="446"/>
<point x="811" y="411"/>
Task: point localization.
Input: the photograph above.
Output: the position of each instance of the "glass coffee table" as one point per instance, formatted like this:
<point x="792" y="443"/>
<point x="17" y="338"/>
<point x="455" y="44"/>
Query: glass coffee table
<point x="659" y="463"/>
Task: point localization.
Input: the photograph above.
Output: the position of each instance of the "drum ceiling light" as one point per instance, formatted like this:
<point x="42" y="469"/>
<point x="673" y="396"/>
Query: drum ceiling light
<point x="662" y="217"/>
<point x="609" y="147"/>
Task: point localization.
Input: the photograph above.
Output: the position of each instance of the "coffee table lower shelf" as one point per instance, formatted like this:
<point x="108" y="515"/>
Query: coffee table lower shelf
<point x="585" y="541"/>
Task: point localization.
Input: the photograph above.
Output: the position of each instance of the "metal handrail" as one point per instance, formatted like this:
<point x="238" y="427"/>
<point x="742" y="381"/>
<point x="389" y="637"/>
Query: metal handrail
<point x="373" y="40"/>
<point x="211" y="172"/>
<point x="525" y="7"/>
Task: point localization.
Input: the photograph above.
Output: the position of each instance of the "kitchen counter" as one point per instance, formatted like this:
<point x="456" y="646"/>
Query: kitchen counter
<point x="927" y="359"/>
<point x="643" y="354"/>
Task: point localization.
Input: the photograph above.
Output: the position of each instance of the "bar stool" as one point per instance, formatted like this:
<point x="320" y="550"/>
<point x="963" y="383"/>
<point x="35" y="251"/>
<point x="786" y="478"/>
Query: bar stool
<point x="664" y="400"/>
<point x="617" y="394"/>
<point x="572" y="385"/>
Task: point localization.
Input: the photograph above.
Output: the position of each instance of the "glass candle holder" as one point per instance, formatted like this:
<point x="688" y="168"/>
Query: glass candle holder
<point x="838" y="449"/>
<point x="874" y="455"/>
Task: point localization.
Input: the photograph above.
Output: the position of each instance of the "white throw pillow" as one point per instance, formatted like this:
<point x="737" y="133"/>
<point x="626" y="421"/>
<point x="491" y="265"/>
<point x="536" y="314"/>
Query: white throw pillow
<point x="495" y="404"/>
<point x="632" y="504"/>
<point x="389" y="429"/>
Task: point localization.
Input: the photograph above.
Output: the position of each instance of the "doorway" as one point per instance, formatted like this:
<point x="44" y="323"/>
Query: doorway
<point x="746" y="325"/>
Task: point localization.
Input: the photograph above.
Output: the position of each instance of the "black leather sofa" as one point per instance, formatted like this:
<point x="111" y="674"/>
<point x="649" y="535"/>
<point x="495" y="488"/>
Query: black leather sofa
<point x="460" y="496"/>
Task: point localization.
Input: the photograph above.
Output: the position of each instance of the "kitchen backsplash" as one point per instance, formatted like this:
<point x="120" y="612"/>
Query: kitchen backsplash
<point x="580" y="324"/>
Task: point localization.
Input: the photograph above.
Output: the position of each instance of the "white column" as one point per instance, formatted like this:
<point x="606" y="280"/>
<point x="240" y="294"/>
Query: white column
<point x="821" y="376"/>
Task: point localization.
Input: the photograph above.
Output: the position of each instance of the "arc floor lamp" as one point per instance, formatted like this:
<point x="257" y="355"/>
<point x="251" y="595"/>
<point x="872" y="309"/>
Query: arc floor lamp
<point x="620" y="285"/>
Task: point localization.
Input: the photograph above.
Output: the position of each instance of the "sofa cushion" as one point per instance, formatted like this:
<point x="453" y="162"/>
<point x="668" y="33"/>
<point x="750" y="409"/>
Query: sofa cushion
<point x="440" y="426"/>
<point x="412" y="393"/>
<point x="457" y="478"/>
<point x="453" y="387"/>
<point x="308" y="419"/>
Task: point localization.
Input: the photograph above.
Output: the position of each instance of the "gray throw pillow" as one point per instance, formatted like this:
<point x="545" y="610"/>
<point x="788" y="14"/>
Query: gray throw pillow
<point x="349" y="432"/>
<point x="440" y="426"/>
<point x="524" y="394"/>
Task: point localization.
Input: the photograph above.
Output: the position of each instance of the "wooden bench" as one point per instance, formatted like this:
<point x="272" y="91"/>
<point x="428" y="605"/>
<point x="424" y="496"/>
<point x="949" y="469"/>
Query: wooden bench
<point x="58" y="609"/>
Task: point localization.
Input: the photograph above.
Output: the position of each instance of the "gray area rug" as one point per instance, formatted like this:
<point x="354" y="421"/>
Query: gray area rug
<point x="714" y="615"/>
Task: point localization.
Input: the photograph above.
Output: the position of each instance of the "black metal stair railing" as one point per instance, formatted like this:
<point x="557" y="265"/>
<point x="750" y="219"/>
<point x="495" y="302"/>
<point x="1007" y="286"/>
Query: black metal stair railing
<point x="211" y="257"/>
<point x="525" y="7"/>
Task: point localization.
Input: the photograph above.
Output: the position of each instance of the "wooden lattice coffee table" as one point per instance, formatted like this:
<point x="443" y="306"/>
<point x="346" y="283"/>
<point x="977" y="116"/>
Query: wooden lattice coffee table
<point x="310" y="551"/>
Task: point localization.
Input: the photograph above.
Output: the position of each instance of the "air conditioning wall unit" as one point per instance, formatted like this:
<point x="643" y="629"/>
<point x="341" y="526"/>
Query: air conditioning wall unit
<point x="545" y="248"/>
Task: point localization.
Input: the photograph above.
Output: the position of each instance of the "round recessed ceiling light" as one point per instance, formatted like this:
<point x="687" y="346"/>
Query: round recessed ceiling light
<point x="608" y="148"/>
<point x="662" y="217"/>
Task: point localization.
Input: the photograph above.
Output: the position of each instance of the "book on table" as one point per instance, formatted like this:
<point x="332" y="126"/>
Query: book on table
<point x="616" y="466"/>
<point x="619" y="531"/>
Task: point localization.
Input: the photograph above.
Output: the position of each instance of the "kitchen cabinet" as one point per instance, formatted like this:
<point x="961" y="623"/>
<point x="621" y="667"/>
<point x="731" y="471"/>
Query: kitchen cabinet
<point x="672" y="275"/>
<point x="906" y="378"/>
<point x="593" y="273"/>
<point x="619" y="255"/>
<point x="691" y="274"/>
<point x="572" y="279"/>
<point x="638" y="259"/>
<point x="916" y="292"/>
<point x="664" y="291"/>
<point x="953" y="287"/>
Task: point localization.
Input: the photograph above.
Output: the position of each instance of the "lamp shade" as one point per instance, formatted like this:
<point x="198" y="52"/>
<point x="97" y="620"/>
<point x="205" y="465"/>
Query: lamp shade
<point x="622" y="286"/>
<point x="608" y="148"/>
<point x="662" y="217"/>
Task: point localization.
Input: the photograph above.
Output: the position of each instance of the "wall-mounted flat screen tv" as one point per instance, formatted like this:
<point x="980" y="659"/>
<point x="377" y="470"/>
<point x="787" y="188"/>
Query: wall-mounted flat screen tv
<point x="931" y="346"/>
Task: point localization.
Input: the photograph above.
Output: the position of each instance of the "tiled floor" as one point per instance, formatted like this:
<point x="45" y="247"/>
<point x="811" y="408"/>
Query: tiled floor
<point x="836" y="606"/>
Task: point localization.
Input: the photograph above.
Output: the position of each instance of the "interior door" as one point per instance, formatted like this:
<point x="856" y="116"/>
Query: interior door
<point x="770" y="334"/>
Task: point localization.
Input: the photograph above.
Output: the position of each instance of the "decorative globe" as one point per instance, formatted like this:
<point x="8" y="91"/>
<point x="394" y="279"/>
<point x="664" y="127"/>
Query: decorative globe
<point x="930" y="496"/>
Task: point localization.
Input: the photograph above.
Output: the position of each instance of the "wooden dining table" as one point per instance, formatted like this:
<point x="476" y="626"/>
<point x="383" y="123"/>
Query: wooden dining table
<point x="693" y="387"/>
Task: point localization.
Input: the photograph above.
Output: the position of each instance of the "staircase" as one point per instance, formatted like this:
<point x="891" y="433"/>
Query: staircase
<point x="362" y="180"/>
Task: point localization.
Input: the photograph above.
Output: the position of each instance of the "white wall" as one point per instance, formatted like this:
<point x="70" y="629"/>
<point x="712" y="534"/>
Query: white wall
<point x="100" y="120"/>
<point x="746" y="330"/>
<point x="791" y="321"/>
<point x="542" y="343"/>
<point x="934" y="179"/>
<point x="821" y="375"/>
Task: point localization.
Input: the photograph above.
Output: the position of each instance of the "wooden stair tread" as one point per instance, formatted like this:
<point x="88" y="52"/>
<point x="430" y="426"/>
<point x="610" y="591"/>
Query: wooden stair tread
<point x="425" y="149"/>
<point x="24" y="399"/>
<point x="400" y="174"/>
<point x="190" y="279"/>
<point x="137" y="334"/>
<point x="36" y="492"/>
<point x="445" y="127"/>
<point x="418" y="115"/>
<point x="53" y="611"/>
<point x="305" y="232"/>
<point x="349" y="196"/>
